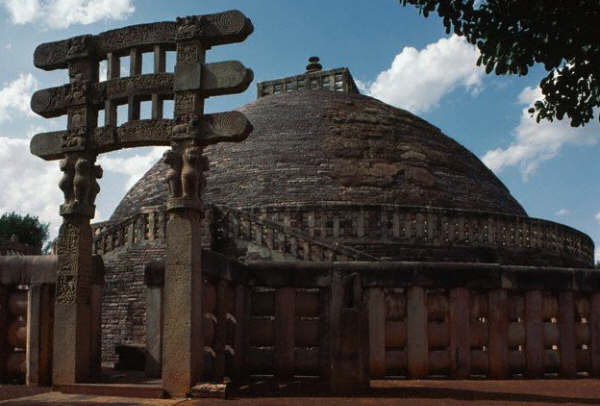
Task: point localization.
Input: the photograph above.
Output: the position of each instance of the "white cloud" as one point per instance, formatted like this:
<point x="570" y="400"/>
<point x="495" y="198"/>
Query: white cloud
<point x="418" y="79"/>
<point x="537" y="142"/>
<point x="132" y="166"/>
<point x="598" y="217"/>
<point x="29" y="184"/>
<point x="8" y="46"/>
<point x="16" y="95"/>
<point x="561" y="212"/>
<point x="64" y="13"/>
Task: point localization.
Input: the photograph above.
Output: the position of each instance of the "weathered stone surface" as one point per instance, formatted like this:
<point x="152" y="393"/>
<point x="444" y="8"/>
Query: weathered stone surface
<point x="213" y="79"/>
<point x="53" y="102"/>
<point x="72" y="323"/>
<point x="292" y="171"/>
<point x="303" y="141"/>
<point x="182" y="340"/>
<point x="218" y="127"/>
<point x="214" y="29"/>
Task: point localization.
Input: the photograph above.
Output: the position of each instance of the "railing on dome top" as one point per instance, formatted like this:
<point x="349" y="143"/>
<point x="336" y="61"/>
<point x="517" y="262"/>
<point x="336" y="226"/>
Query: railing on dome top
<point x="287" y="229"/>
<point x="428" y="226"/>
<point x="296" y="243"/>
<point x="150" y="223"/>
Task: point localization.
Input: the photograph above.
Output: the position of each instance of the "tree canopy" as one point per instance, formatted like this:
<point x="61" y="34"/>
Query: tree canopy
<point x="513" y="35"/>
<point x="28" y="229"/>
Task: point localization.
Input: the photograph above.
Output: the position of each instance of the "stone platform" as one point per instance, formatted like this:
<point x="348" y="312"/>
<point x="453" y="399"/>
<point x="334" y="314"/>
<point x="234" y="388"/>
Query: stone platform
<point x="414" y="392"/>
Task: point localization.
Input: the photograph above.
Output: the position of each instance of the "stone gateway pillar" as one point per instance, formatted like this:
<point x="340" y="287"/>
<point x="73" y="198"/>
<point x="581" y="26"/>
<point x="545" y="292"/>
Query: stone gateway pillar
<point x="183" y="347"/>
<point x="72" y="327"/>
<point x="188" y="133"/>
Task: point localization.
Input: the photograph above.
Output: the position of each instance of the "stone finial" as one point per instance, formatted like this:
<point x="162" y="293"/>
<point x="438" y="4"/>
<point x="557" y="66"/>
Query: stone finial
<point x="313" y="64"/>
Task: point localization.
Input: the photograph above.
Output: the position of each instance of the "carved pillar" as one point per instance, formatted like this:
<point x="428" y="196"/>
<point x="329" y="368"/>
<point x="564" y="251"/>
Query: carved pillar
<point x="183" y="340"/>
<point x="72" y="322"/>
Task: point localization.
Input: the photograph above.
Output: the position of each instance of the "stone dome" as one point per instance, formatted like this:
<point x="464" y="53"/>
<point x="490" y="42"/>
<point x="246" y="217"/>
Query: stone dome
<point x="321" y="147"/>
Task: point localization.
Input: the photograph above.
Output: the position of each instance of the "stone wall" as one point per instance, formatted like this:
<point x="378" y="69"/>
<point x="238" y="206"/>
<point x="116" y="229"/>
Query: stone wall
<point x="124" y="303"/>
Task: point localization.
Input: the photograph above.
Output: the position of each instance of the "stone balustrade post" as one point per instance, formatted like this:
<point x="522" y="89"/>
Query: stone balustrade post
<point x="417" y="341"/>
<point x="154" y="280"/>
<point x="377" y="332"/>
<point x="595" y="333"/>
<point x="498" y="334"/>
<point x="40" y="309"/>
<point x="349" y="335"/>
<point x="3" y="330"/>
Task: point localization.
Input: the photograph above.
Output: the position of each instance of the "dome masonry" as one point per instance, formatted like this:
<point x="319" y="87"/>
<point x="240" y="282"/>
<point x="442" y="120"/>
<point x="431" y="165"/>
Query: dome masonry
<point x="334" y="147"/>
<point x="330" y="163"/>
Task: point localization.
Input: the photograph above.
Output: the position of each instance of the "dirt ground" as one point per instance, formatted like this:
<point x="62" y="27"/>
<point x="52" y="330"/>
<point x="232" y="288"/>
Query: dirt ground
<point x="383" y="393"/>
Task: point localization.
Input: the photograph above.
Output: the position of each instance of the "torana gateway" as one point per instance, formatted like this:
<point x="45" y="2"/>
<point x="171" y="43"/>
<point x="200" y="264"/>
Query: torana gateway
<point x="343" y="240"/>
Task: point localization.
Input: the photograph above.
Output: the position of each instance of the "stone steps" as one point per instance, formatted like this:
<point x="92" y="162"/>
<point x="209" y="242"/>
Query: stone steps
<point x="145" y="391"/>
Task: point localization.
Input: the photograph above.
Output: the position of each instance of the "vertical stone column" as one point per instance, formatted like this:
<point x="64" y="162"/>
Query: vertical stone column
<point x="568" y="342"/>
<point x="96" y="316"/>
<point x="72" y="322"/>
<point x="183" y="345"/>
<point x="349" y="333"/>
<point x="154" y="279"/>
<point x="285" y="317"/>
<point x="3" y="329"/>
<point x="417" y="341"/>
<point x="534" y="332"/>
<point x="220" y="331"/>
<point x="39" y="340"/>
<point x="595" y="333"/>
<point x="377" y="332"/>
<point x="241" y="322"/>
<point x="182" y="327"/>
<point x="325" y="334"/>
<point x="460" y="338"/>
<point x="498" y="334"/>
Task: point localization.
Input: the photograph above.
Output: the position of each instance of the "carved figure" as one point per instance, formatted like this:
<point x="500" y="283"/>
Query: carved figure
<point x="78" y="47"/>
<point x="191" y="172"/>
<point x="82" y="180"/>
<point x="66" y="182"/>
<point x="189" y="27"/>
<point x="74" y="139"/>
<point x="97" y="173"/>
<point x="173" y="159"/>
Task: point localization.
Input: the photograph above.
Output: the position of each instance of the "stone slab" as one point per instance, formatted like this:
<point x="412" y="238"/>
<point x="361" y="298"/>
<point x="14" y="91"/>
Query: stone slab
<point x="230" y="126"/>
<point x="220" y="28"/>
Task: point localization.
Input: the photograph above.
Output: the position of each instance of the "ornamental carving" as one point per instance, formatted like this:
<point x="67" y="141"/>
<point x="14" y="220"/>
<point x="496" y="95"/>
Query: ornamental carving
<point x="185" y="176"/>
<point x="190" y="27"/>
<point x="68" y="255"/>
<point x="75" y="139"/>
<point x="79" y="181"/>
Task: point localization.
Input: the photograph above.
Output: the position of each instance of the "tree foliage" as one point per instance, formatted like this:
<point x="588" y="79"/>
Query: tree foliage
<point x="27" y="229"/>
<point x="513" y="35"/>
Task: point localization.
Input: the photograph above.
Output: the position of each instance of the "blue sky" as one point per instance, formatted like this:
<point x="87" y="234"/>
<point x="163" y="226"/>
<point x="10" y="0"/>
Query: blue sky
<point x="395" y="55"/>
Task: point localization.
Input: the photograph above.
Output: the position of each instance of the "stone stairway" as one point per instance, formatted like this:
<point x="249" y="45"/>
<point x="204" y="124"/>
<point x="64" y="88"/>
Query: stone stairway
<point x="275" y="241"/>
